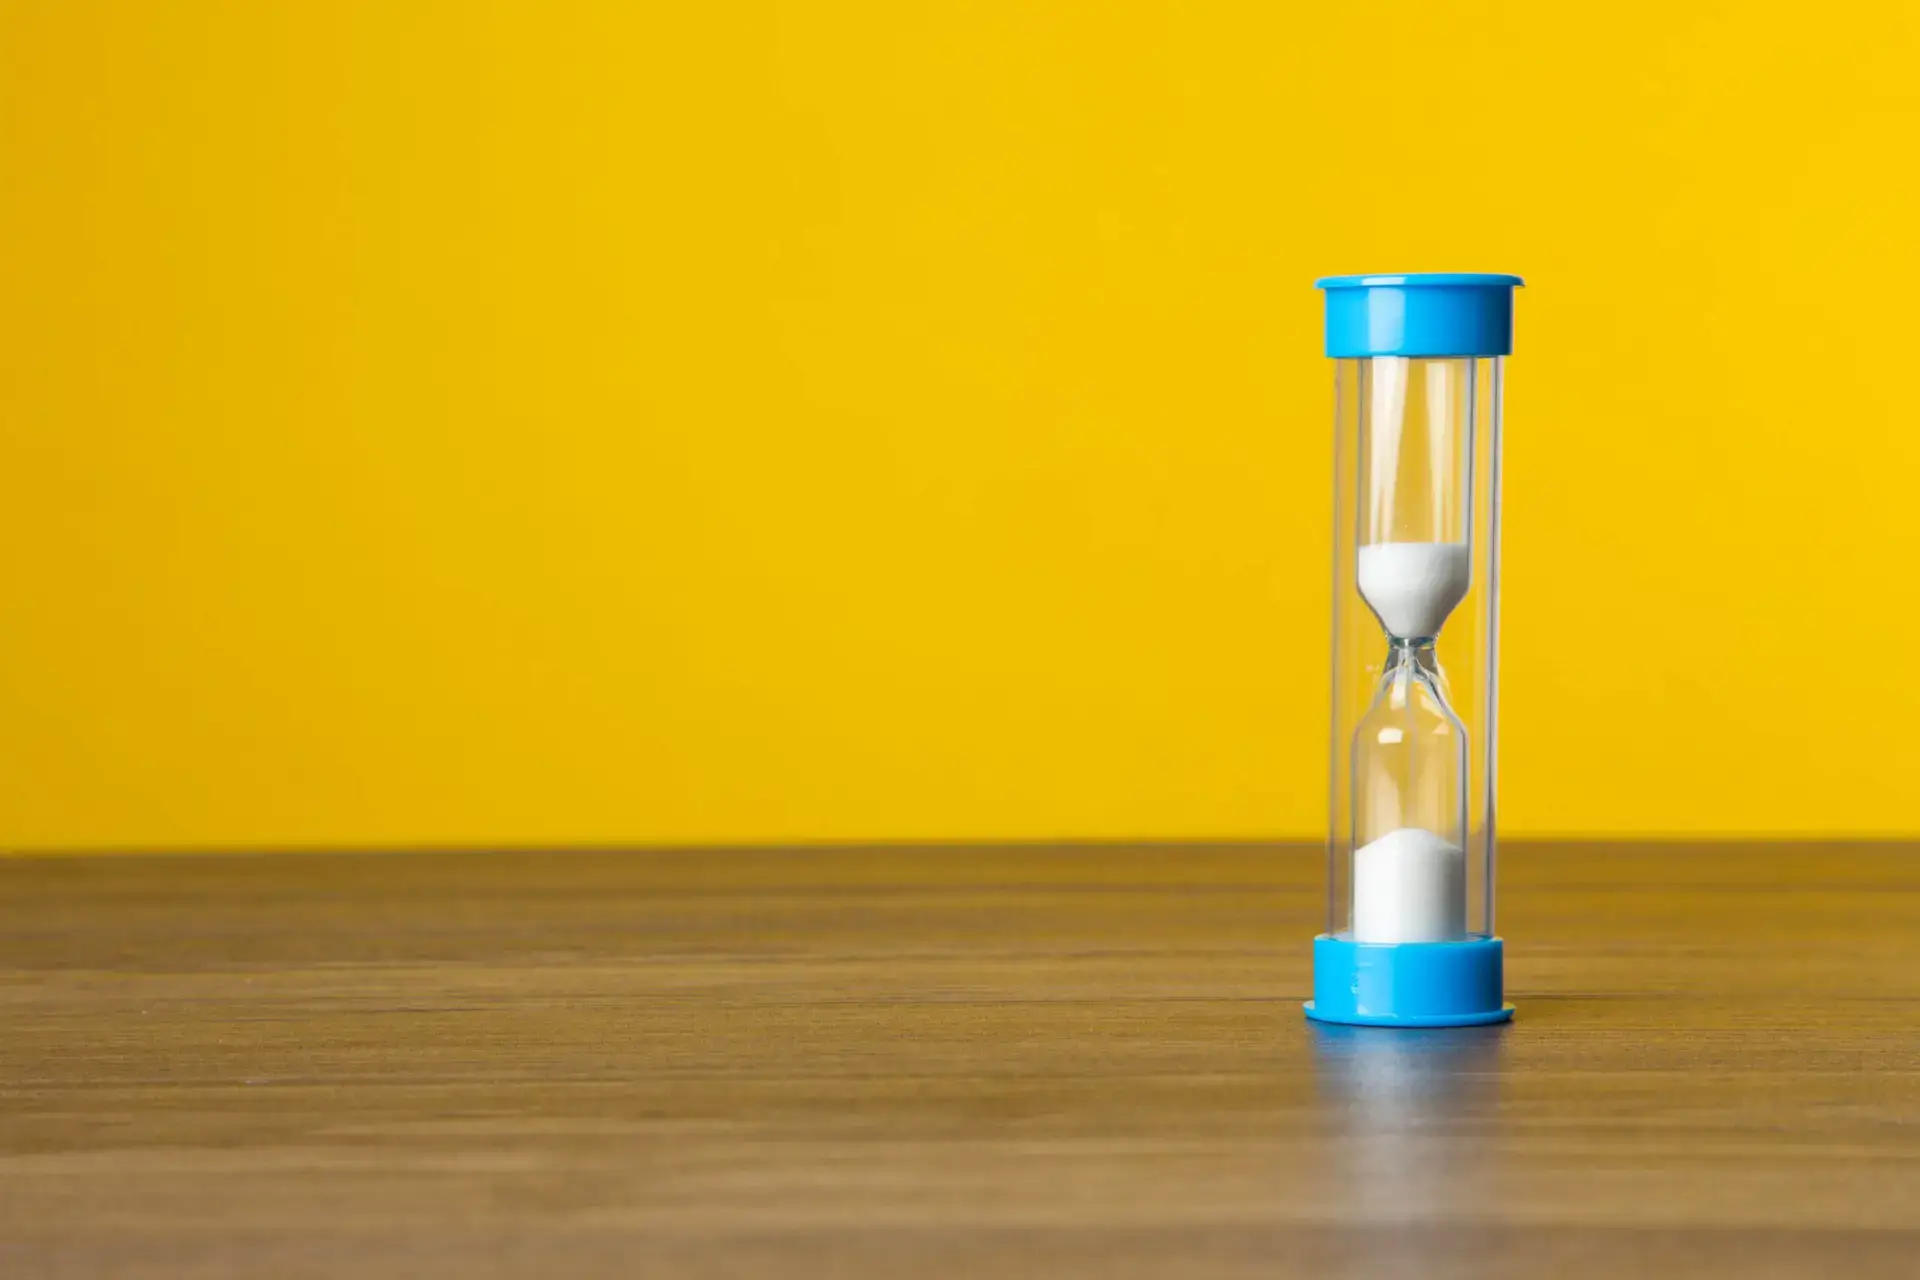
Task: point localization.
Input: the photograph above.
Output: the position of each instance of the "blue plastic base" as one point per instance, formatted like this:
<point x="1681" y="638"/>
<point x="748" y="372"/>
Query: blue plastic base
<point x="1408" y="984"/>
<point x="1412" y="1021"/>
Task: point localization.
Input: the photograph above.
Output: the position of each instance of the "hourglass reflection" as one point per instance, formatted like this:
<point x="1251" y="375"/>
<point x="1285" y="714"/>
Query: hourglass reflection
<point x="1409" y="937"/>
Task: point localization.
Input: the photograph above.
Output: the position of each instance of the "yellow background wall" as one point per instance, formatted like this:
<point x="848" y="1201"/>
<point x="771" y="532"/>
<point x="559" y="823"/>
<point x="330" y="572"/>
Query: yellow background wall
<point x="567" y="422"/>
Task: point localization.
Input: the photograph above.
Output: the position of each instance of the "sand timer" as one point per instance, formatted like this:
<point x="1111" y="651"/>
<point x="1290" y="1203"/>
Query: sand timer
<point x="1409" y="938"/>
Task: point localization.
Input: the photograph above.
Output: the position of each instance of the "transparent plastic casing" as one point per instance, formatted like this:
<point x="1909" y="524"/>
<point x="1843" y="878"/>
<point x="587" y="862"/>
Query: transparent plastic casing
<point x="1416" y="578"/>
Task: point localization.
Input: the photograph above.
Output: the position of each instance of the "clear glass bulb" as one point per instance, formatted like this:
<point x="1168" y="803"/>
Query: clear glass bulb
<point x="1410" y="810"/>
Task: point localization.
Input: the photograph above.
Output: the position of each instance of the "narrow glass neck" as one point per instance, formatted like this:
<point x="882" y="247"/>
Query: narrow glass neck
<point x="1414" y="660"/>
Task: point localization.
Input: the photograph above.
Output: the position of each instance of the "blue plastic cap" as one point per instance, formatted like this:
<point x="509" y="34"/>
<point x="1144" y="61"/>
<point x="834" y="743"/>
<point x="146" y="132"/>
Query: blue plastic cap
<point x="1434" y="313"/>
<point x="1408" y="984"/>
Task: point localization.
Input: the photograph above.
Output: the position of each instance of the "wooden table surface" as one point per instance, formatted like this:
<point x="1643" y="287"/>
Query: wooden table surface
<point x="945" y="1062"/>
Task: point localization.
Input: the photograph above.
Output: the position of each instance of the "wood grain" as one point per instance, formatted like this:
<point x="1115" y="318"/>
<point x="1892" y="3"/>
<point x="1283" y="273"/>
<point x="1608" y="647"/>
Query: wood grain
<point x="944" y="1062"/>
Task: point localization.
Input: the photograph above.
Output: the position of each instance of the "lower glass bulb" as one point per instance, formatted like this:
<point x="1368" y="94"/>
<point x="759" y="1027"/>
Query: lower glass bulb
<point x="1409" y="772"/>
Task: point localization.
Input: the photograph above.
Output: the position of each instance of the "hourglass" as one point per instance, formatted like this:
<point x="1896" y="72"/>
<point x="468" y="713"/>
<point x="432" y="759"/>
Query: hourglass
<point x="1418" y="362"/>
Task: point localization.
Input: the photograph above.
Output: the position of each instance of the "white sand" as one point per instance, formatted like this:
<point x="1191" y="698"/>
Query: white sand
<point x="1410" y="885"/>
<point x="1414" y="586"/>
